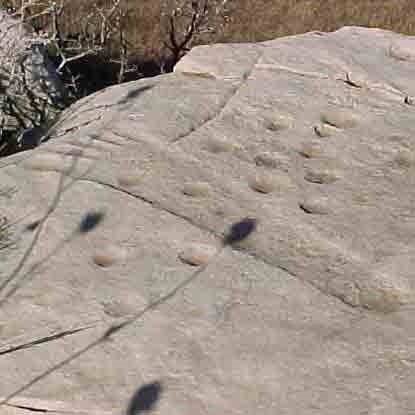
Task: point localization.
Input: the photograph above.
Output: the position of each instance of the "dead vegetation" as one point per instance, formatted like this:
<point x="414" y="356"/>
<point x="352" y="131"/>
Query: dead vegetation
<point x="121" y="40"/>
<point x="153" y="34"/>
<point x="256" y="20"/>
<point x="93" y="45"/>
<point x="127" y="39"/>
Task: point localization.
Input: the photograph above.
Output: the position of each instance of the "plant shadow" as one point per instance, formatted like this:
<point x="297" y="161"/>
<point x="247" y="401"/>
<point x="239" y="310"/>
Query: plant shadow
<point x="144" y="398"/>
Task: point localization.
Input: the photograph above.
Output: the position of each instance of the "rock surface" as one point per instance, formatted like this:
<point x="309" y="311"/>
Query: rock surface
<point x="312" y="313"/>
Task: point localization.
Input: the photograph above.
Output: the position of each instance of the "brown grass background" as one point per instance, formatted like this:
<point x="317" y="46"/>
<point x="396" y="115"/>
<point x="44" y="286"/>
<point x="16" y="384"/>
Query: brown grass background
<point x="248" y="21"/>
<point x="257" y="20"/>
<point x="266" y="19"/>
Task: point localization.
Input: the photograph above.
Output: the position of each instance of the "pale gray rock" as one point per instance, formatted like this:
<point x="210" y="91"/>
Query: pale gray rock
<point x="313" y="313"/>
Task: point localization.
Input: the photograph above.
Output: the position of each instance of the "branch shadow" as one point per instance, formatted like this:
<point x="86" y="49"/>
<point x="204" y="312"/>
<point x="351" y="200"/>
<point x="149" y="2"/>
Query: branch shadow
<point x="134" y="94"/>
<point x="146" y="397"/>
<point x="150" y="393"/>
<point x="88" y="221"/>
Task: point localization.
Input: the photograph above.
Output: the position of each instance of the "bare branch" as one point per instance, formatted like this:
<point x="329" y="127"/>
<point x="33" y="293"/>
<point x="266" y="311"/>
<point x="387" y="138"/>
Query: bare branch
<point x="189" y="20"/>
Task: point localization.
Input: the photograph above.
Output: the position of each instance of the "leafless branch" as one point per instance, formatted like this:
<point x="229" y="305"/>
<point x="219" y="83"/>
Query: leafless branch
<point x="189" y="21"/>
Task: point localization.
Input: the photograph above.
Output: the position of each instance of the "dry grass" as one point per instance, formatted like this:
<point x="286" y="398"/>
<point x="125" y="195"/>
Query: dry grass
<point x="267" y="19"/>
<point x="255" y="20"/>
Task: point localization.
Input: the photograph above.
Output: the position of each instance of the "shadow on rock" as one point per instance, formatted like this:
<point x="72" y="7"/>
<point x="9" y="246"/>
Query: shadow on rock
<point x="144" y="398"/>
<point x="90" y="221"/>
<point x="134" y="94"/>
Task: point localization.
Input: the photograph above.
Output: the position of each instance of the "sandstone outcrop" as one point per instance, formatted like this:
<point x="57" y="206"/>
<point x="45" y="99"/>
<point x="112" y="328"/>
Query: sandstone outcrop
<point x="119" y="275"/>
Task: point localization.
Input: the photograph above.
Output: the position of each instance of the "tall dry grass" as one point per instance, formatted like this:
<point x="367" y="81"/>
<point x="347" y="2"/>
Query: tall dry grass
<point x="250" y="20"/>
<point x="256" y="20"/>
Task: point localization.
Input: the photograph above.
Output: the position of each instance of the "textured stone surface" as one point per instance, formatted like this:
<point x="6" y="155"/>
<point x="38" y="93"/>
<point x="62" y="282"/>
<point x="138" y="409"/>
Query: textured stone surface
<point x="312" y="314"/>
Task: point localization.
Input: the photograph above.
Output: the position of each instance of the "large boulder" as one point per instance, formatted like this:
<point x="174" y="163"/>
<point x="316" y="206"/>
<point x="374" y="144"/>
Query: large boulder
<point x="120" y="275"/>
<point x="31" y="91"/>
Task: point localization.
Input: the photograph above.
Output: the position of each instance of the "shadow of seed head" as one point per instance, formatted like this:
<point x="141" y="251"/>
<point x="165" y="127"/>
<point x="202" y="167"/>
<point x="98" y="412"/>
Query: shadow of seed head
<point x="145" y="398"/>
<point x="240" y="230"/>
<point x="90" y="221"/>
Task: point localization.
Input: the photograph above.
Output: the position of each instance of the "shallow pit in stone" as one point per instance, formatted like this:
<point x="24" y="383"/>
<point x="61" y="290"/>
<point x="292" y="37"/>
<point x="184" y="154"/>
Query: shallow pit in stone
<point x="315" y="205"/>
<point x="272" y="160"/>
<point x="262" y="183"/>
<point x="311" y="150"/>
<point x="130" y="179"/>
<point x="321" y="176"/>
<point x="339" y="117"/>
<point x="109" y="255"/>
<point x="325" y="130"/>
<point x="219" y="145"/>
<point x="197" y="254"/>
<point x="196" y="189"/>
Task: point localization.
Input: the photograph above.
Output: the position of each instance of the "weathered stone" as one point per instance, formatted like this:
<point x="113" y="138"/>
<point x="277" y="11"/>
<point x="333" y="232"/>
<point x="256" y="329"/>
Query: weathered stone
<point x="273" y="160"/>
<point x="311" y="149"/>
<point x="325" y="130"/>
<point x="197" y="254"/>
<point x="312" y="313"/>
<point x="321" y="175"/>
<point x="196" y="189"/>
<point x="262" y="183"/>
<point x="315" y="205"/>
<point x="338" y="117"/>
